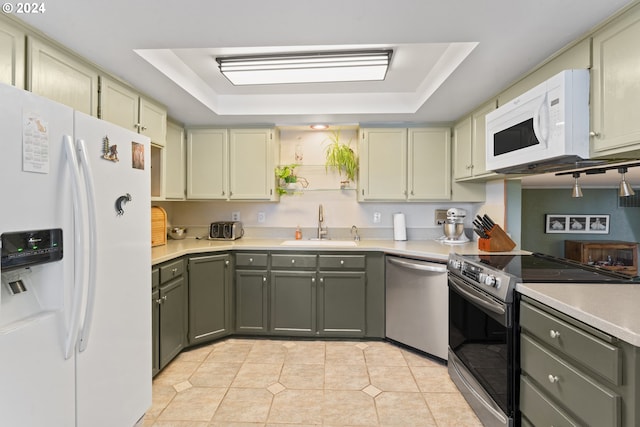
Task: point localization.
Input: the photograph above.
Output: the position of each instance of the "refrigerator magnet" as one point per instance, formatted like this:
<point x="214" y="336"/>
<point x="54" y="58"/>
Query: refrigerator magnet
<point x="109" y="152"/>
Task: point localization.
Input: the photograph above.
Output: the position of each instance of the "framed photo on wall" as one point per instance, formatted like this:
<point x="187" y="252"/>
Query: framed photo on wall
<point x="580" y="224"/>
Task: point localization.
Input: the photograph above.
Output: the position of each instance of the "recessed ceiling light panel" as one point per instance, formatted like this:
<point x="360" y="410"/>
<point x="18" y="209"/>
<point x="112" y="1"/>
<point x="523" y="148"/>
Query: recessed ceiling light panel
<point x="312" y="67"/>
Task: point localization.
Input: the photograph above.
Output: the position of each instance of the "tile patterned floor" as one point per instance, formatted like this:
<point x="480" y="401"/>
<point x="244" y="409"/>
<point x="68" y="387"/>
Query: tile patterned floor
<point x="269" y="383"/>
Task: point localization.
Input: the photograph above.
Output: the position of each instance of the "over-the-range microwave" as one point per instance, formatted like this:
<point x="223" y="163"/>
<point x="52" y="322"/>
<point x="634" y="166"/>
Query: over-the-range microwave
<point x="545" y="129"/>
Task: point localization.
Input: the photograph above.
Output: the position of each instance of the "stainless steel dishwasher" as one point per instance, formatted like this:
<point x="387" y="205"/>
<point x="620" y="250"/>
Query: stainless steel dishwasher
<point x="417" y="304"/>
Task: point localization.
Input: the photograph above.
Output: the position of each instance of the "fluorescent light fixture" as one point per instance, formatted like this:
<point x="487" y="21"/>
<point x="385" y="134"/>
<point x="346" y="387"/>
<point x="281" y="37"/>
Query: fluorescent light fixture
<point x="309" y="67"/>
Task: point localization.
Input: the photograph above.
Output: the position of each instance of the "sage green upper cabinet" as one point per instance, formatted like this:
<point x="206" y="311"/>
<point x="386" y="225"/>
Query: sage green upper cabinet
<point x="252" y="163"/>
<point x="405" y="164"/>
<point x="126" y="108"/>
<point x="207" y="154"/>
<point x="383" y="164"/>
<point x="175" y="163"/>
<point x="235" y="164"/>
<point x="429" y="164"/>
<point x="615" y="90"/>
<point x="470" y="145"/>
<point x="12" y="42"/>
<point x="59" y="76"/>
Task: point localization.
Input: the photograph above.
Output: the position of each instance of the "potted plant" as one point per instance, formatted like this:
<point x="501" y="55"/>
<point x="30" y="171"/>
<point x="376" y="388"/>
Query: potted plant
<point x="341" y="157"/>
<point x="288" y="180"/>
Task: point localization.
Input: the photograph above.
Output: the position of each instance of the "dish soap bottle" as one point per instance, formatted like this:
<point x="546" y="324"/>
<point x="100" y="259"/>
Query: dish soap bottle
<point x="298" y="233"/>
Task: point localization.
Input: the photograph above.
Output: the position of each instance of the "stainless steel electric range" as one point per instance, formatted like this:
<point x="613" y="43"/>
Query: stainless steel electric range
<point x="483" y="359"/>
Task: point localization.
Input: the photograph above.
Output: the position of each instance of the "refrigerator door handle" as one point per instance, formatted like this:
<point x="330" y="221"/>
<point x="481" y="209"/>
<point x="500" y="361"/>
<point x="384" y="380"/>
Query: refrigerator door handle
<point x="78" y="207"/>
<point x="93" y="246"/>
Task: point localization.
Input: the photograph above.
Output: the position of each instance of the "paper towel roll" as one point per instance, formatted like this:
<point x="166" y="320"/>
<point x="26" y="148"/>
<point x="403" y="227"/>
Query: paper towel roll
<point x="399" y="227"/>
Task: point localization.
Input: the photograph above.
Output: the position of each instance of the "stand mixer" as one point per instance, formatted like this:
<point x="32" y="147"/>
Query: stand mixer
<point x="454" y="226"/>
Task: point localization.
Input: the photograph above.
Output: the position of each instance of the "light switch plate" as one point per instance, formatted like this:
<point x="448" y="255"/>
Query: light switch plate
<point x="261" y="217"/>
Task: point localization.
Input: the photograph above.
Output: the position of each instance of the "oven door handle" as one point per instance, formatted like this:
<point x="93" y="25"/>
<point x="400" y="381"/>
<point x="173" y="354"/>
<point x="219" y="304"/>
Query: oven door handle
<point x="478" y="298"/>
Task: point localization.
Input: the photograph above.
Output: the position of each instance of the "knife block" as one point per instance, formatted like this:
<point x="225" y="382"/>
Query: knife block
<point x="498" y="241"/>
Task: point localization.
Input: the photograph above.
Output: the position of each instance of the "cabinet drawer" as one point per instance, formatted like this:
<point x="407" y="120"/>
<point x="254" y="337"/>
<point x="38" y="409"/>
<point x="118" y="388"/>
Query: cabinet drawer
<point x="251" y="260"/>
<point x="539" y="409"/>
<point x="293" y="261"/>
<point x="170" y="270"/>
<point x="594" y="353"/>
<point x="155" y="278"/>
<point x="342" y="262"/>
<point x="579" y="393"/>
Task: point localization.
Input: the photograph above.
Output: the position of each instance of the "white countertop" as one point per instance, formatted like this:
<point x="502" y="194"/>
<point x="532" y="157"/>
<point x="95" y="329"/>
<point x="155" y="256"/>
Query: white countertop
<point x="611" y="308"/>
<point x="429" y="249"/>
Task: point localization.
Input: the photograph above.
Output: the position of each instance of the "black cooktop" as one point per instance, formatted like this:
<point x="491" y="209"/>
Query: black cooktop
<point x="540" y="268"/>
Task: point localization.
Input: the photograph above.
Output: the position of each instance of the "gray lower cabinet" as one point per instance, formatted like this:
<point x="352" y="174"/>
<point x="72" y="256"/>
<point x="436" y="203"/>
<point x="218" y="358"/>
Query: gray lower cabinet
<point x="342" y="298"/>
<point x="169" y="312"/>
<point x="252" y="302"/>
<point x="209" y="297"/>
<point x="573" y="374"/>
<point x="251" y="293"/>
<point x="293" y="302"/>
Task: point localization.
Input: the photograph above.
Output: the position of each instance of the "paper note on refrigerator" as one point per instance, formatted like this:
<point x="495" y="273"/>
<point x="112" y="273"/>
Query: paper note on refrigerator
<point x="35" y="143"/>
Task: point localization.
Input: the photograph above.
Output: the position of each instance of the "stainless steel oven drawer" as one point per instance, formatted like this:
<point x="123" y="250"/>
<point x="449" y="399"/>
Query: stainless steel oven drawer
<point x="580" y="394"/>
<point x="594" y="353"/>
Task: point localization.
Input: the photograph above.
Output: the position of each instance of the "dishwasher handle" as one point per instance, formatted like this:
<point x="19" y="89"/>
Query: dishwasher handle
<point x="418" y="265"/>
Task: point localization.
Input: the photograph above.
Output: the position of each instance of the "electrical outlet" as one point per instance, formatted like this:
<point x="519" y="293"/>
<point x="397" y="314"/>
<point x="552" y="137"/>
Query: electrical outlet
<point x="261" y="217"/>
<point x="377" y="217"/>
<point x="235" y="216"/>
<point x="441" y="216"/>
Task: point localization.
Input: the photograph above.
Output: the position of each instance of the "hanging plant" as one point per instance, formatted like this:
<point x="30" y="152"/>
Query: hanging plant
<point x="341" y="157"/>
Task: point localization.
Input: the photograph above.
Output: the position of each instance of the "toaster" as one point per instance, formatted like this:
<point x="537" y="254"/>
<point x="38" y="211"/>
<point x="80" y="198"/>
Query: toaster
<point x="225" y="230"/>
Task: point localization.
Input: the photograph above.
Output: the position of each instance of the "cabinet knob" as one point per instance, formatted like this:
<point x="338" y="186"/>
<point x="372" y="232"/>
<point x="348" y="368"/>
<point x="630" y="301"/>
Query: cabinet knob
<point x="250" y="260"/>
<point x="313" y="280"/>
<point x="226" y="263"/>
<point x="322" y="280"/>
<point x="164" y="298"/>
<point x="264" y="279"/>
<point x="293" y="261"/>
<point x="342" y="261"/>
<point x="143" y="128"/>
<point x="174" y="271"/>
<point x="553" y="378"/>
<point x="554" y="334"/>
<point x="159" y="301"/>
<point x="595" y="134"/>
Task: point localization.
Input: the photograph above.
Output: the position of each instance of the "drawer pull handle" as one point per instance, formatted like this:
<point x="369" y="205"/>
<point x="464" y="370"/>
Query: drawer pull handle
<point x="174" y="270"/>
<point x="554" y="334"/>
<point x="553" y="379"/>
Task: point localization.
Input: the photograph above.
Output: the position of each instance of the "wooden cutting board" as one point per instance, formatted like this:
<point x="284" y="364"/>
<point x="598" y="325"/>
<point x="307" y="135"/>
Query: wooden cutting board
<point x="158" y="226"/>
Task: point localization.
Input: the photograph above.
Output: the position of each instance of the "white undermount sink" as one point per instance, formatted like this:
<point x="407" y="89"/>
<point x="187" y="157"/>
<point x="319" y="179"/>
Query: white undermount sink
<point x="323" y="243"/>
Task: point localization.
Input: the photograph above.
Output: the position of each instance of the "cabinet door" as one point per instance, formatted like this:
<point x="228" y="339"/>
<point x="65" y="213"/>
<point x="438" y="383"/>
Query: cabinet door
<point x="62" y="78"/>
<point x="479" y="140"/>
<point x="172" y="325"/>
<point x="209" y="298"/>
<point x="12" y="41"/>
<point x="118" y="104"/>
<point x="383" y="164"/>
<point x="251" y="301"/>
<point x="153" y="121"/>
<point x="341" y="303"/>
<point x="293" y="302"/>
<point x="462" y="149"/>
<point x="429" y="163"/>
<point x="251" y="168"/>
<point x="614" y="86"/>
<point x="155" y="332"/>
<point x="207" y="161"/>
<point x="175" y="163"/>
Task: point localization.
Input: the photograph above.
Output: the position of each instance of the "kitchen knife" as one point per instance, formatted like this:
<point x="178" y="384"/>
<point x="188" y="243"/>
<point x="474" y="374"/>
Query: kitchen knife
<point x="481" y="222"/>
<point x="489" y="220"/>
<point x="477" y="224"/>
<point x="486" y="224"/>
<point x="480" y="233"/>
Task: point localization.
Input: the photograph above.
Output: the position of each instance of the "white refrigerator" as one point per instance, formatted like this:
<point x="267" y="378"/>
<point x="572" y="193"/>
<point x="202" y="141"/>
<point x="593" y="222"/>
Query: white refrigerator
<point x="75" y="311"/>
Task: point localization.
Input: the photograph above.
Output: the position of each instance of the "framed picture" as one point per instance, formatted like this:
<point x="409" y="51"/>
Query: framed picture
<point x="585" y="224"/>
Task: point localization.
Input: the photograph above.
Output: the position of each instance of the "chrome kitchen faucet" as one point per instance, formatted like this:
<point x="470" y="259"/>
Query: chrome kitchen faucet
<point x="322" y="230"/>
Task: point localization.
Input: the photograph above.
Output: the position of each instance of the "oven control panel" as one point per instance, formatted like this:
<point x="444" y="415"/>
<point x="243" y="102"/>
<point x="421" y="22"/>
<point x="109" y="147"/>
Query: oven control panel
<point x="492" y="281"/>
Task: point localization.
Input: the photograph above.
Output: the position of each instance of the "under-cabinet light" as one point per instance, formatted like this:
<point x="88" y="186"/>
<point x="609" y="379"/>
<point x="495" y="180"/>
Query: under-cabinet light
<point x="309" y="67"/>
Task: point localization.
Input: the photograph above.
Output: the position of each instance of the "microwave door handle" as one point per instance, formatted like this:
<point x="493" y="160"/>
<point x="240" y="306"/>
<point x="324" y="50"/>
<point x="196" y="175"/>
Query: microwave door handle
<point x="541" y="121"/>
